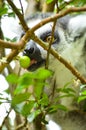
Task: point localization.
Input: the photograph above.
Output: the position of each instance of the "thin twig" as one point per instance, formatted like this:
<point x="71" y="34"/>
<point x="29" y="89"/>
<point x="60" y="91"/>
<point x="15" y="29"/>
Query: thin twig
<point x="8" y="112"/>
<point x="21" y="7"/>
<point x="22" y="125"/>
<point x="50" y="43"/>
<point x="19" y="15"/>
<point x="4" y="44"/>
<point x="58" y="15"/>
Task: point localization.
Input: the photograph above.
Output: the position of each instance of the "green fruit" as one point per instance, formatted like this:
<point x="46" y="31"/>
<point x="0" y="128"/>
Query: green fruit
<point x="24" y="61"/>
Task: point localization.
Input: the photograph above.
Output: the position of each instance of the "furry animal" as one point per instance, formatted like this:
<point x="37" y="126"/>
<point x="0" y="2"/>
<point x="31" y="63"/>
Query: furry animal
<point x="70" y="41"/>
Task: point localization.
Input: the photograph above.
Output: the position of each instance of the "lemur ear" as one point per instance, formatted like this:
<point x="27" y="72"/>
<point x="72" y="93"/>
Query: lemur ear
<point x="77" y="25"/>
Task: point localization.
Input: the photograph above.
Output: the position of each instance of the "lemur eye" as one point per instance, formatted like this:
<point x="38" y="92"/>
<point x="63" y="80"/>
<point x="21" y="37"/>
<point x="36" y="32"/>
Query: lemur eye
<point x="48" y="39"/>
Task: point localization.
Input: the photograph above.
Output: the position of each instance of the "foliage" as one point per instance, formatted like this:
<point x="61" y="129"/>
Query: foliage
<point x="6" y="10"/>
<point x="30" y="103"/>
<point x="35" y="101"/>
<point x="49" y="1"/>
<point x="82" y="95"/>
<point x="29" y="98"/>
<point x="63" y="4"/>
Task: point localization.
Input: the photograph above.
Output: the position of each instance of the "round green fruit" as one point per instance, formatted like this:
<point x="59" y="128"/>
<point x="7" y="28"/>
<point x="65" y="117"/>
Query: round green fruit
<point x="24" y="61"/>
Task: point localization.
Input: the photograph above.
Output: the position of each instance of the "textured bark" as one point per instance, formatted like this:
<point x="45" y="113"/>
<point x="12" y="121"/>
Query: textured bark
<point x="48" y="7"/>
<point x="38" y="124"/>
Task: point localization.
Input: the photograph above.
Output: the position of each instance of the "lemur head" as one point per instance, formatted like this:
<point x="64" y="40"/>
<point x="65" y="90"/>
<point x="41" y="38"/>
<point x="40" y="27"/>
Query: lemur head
<point x="69" y="39"/>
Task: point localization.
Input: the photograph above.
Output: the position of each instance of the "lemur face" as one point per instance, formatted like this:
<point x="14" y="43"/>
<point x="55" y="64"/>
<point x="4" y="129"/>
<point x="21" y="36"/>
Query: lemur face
<point x="35" y="51"/>
<point x="69" y="40"/>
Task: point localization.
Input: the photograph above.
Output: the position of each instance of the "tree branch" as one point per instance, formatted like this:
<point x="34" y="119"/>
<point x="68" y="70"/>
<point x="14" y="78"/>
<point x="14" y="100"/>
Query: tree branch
<point x="19" y="15"/>
<point x="50" y="43"/>
<point x="8" y="112"/>
<point x="4" y="44"/>
<point x="58" y="15"/>
<point x="30" y="35"/>
<point x="21" y="126"/>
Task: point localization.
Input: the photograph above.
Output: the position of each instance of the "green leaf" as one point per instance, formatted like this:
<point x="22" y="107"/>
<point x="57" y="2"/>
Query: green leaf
<point x="24" y="82"/>
<point x="54" y="108"/>
<point x="61" y="107"/>
<point x="82" y="86"/>
<point x="78" y="3"/>
<point x="83" y="93"/>
<point x="3" y="11"/>
<point x="81" y="98"/>
<point x="38" y="88"/>
<point x="27" y="108"/>
<point x="43" y="74"/>
<point x="2" y="98"/>
<point x="20" y="98"/>
<point x="30" y="78"/>
<point x="49" y="1"/>
<point x="66" y="89"/>
<point x="1" y="103"/>
<point x="12" y="40"/>
<point x="44" y="101"/>
<point x="11" y="14"/>
<point x="60" y="1"/>
<point x="18" y="107"/>
<point x="12" y="78"/>
<point x="33" y="115"/>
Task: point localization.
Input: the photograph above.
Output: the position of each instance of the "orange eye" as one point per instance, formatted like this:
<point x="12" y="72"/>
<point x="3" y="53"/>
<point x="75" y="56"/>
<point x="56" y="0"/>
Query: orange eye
<point x="48" y="39"/>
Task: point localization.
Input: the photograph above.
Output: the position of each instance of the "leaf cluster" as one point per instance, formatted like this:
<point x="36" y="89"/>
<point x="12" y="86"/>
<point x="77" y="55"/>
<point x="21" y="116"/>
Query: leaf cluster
<point x="29" y="98"/>
<point x="63" y="4"/>
<point x="82" y="95"/>
<point x="6" y="11"/>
